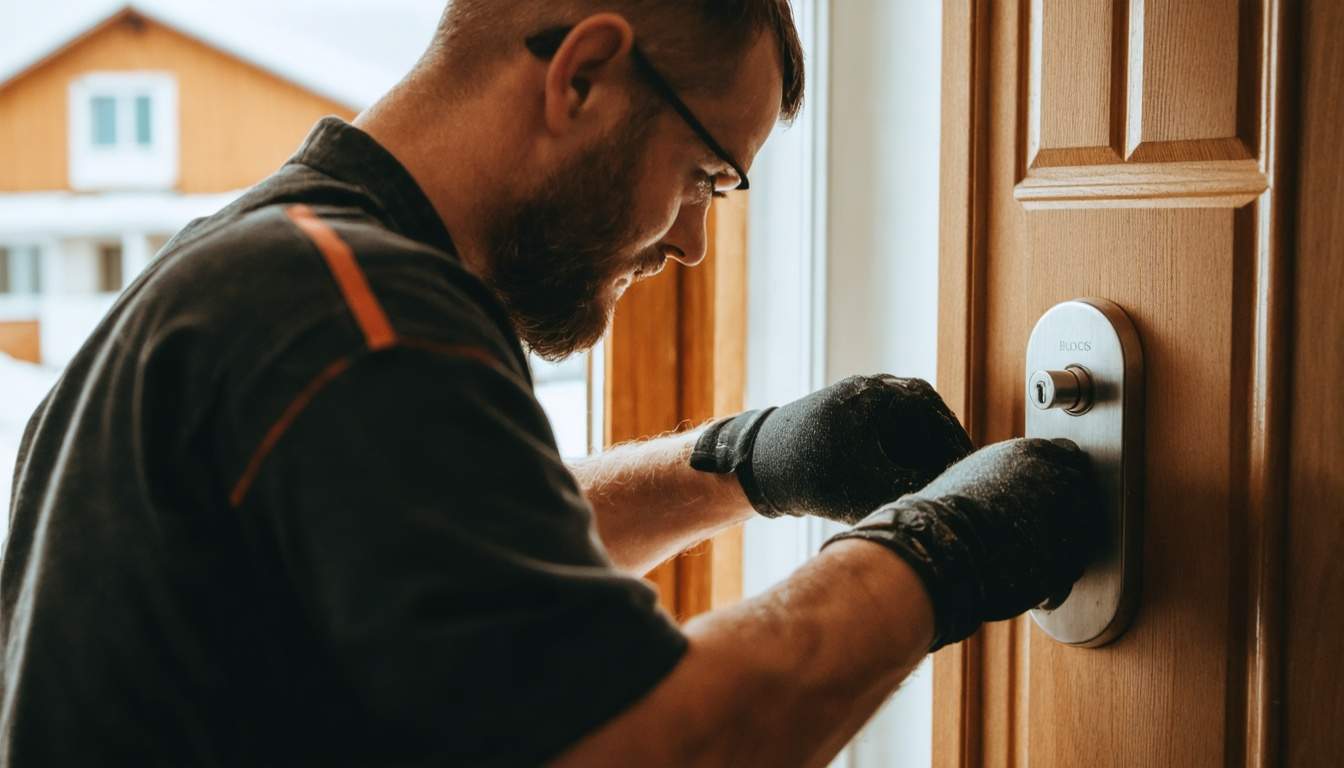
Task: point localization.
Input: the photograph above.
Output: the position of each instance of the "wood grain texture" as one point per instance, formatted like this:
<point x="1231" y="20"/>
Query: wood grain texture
<point x="712" y="342"/>
<point x="1191" y="683"/>
<point x="1313" y="695"/>
<point x="957" y="668"/>
<point x="21" y="340"/>
<point x="220" y="149"/>
<point x="642" y="380"/>
<point x="1171" y="90"/>
<point x="676" y="357"/>
<point x="1183" y="73"/>
<point x="1265" y="230"/>
<point x="1077" y="82"/>
<point x="1207" y="184"/>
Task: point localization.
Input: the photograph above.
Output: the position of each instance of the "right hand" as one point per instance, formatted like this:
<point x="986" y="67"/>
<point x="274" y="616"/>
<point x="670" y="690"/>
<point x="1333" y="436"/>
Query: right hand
<point x="994" y="535"/>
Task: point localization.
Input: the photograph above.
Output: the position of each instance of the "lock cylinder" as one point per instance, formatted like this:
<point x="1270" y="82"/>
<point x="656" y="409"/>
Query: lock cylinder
<point x="1069" y="390"/>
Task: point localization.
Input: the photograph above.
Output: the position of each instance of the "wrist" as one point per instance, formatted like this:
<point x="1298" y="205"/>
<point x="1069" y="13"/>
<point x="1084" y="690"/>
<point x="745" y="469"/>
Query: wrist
<point x="927" y="538"/>
<point x="725" y="447"/>
<point x="899" y="602"/>
<point x="722" y="491"/>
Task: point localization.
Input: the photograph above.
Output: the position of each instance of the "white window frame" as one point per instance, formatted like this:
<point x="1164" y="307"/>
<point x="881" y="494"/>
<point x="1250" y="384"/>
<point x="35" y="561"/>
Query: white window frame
<point x="126" y="165"/>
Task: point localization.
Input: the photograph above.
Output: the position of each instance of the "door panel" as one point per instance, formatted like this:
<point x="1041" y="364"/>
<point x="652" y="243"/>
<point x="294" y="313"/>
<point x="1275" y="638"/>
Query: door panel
<point x="1141" y="103"/>
<point x="1127" y="150"/>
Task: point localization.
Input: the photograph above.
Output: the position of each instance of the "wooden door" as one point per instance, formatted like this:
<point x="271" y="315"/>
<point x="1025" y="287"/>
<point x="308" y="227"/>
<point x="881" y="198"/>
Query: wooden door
<point x="1144" y="151"/>
<point x="675" y="358"/>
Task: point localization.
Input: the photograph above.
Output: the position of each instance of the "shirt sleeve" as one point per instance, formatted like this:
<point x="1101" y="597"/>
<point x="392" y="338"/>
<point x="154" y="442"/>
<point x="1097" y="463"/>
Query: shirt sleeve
<point x="446" y="557"/>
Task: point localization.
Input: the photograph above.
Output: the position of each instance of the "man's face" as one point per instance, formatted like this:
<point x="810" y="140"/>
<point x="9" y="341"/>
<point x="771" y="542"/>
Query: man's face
<point x="562" y="258"/>
<point x="616" y="211"/>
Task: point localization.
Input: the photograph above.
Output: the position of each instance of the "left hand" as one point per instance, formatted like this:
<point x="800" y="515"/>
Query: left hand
<point x="840" y="452"/>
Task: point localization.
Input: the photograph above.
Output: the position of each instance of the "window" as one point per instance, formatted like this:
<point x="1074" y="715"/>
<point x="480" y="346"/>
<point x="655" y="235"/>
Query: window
<point x="144" y="112"/>
<point x="562" y="390"/>
<point x="20" y="271"/>
<point x="104" y="121"/>
<point x="123" y="131"/>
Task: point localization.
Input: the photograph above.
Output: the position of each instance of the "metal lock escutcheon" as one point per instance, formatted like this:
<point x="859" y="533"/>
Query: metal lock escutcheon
<point x="1084" y="383"/>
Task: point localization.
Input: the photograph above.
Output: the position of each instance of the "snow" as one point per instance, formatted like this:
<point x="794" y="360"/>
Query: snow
<point x="349" y="51"/>
<point x="22" y="387"/>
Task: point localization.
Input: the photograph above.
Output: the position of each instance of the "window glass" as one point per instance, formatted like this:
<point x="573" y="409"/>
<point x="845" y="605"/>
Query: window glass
<point x="20" y="271"/>
<point x="104" y="112"/>
<point x="144" y="113"/>
<point x="562" y="390"/>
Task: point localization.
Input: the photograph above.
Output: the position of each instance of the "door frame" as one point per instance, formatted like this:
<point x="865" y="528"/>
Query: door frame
<point x="674" y="358"/>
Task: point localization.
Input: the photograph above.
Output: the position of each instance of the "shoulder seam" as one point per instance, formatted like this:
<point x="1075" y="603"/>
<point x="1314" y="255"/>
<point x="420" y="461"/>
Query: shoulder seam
<point x="330" y="374"/>
<point x="373" y="323"/>
<point x="350" y="279"/>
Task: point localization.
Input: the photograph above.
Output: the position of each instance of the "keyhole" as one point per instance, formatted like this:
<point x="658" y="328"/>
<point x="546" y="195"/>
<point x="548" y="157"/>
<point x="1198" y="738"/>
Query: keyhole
<point x="1040" y="393"/>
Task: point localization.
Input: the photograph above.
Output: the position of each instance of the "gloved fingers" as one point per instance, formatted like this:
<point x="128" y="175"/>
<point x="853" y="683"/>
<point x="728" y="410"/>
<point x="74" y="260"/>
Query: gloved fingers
<point x="916" y="429"/>
<point x="1065" y="443"/>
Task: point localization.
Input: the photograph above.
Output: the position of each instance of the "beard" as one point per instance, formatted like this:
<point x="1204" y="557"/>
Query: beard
<point x="558" y="259"/>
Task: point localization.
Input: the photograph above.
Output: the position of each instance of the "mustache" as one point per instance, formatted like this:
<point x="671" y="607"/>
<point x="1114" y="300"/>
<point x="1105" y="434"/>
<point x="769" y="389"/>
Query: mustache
<point x="649" y="263"/>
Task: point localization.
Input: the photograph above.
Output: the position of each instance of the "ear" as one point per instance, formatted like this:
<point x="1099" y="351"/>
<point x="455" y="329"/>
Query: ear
<point x="583" y="73"/>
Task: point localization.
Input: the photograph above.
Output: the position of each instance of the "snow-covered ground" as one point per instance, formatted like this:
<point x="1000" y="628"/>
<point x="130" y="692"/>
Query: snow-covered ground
<point x="22" y="387"/>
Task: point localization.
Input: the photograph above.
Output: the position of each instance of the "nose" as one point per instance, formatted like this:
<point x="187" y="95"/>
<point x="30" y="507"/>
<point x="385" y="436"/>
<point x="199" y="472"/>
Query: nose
<point x="687" y="241"/>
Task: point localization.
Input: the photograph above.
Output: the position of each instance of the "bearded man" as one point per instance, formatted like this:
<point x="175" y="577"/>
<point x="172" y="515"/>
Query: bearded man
<point x="295" y="502"/>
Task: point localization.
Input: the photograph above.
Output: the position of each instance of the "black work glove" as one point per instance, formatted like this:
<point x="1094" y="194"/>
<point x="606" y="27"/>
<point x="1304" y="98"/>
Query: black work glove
<point x="840" y="452"/>
<point x="995" y="535"/>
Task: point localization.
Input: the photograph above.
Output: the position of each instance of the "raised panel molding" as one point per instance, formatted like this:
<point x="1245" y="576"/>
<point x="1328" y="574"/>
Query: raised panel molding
<point x="1121" y="112"/>
<point x="1077" y="57"/>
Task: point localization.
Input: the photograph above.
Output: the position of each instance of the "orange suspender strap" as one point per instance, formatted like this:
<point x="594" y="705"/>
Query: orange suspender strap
<point x="372" y="321"/>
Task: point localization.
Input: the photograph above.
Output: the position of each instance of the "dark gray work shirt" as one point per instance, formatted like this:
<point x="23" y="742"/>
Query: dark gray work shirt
<point x="294" y="502"/>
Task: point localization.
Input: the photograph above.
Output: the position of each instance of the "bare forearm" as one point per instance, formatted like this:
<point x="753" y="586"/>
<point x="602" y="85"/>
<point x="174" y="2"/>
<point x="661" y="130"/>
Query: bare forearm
<point x="649" y="504"/>
<point x="785" y="678"/>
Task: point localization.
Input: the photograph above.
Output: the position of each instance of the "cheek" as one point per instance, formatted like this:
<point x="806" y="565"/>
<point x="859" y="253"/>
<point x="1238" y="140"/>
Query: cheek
<point x="657" y="196"/>
<point x="655" y="212"/>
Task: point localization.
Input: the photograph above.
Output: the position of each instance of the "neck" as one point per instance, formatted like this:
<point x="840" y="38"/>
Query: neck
<point x="451" y="147"/>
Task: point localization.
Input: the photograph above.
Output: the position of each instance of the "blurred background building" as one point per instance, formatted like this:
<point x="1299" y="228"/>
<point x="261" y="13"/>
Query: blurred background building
<point x="116" y="136"/>
<point x="120" y="123"/>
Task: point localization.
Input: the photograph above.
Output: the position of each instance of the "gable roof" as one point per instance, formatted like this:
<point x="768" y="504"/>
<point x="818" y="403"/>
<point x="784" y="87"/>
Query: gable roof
<point x="336" y="61"/>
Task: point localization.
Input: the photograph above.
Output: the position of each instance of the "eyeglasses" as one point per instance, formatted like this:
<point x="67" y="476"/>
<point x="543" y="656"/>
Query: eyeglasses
<point x="544" y="44"/>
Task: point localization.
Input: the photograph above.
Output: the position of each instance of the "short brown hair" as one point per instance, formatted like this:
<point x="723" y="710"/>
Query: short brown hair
<point x="685" y="38"/>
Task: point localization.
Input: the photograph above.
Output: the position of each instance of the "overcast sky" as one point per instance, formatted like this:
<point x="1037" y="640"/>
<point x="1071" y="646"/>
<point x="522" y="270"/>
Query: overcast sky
<point x="392" y="32"/>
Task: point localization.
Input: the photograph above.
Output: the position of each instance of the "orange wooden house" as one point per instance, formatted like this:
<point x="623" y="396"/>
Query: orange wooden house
<point x="115" y="136"/>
